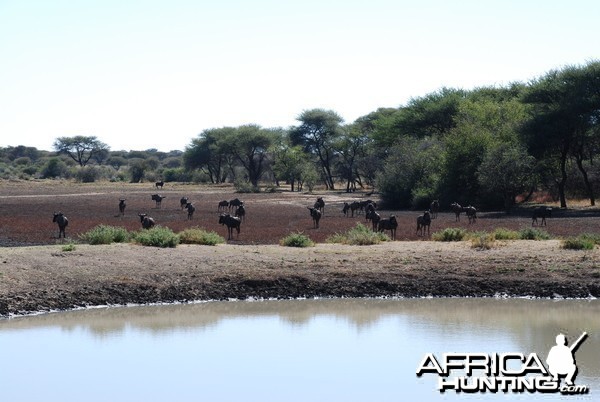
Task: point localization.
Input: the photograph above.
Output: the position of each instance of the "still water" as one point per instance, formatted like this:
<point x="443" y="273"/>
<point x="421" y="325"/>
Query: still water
<point x="304" y="350"/>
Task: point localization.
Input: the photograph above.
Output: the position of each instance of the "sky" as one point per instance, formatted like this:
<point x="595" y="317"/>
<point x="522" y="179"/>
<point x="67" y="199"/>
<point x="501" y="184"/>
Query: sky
<point x="156" y="74"/>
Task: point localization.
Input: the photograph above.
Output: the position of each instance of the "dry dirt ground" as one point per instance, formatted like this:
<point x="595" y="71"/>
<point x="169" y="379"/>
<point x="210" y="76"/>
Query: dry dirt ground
<point x="39" y="276"/>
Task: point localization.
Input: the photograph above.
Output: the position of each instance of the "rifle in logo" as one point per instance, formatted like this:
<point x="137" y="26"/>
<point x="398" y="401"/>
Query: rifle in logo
<point x="561" y="359"/>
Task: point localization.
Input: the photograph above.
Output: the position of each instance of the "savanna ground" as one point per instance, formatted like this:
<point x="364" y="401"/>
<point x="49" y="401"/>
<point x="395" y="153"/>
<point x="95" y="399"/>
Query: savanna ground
<point x="37" y="274"/>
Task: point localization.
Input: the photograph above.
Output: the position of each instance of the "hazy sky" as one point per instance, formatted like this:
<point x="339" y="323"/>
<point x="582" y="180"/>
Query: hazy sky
<point x="155" y="74"/>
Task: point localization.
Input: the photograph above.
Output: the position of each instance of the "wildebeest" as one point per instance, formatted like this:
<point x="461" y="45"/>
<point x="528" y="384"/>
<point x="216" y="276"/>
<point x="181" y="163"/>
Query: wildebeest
<point x="122" y="206"/>
<point x="471" y="213"/>
<point x="223" y="205"/>
<point x="541" y="212"/>
<point x="434" y="207"/>
<point x="423" y="222"/>
<point x="236" y="202"/>
<point x="232" y="222"/>
<point x="389" y="224"/>
<point x="320" y="205"/>
<point x="374" y="217"/>
<point x="190" y="208"/>
<point x="457" y="209"/>
<point x="355" y="205"/>
<point x="183" y="202"/>
<point x="316" y="216"/>
<point x="62" y="222"/>
<point x="158" y="198"/>
<point x="147" y="222"/>
<point x="240" y="212"/>
<point x="370" y="207"/>
<point x="159" y="184"/>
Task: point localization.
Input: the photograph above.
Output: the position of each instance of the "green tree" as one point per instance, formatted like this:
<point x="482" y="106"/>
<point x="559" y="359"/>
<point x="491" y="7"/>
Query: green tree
<point x="210" y="153"/>
<point x="80" y="148"/>
<point x="250" y="145"/>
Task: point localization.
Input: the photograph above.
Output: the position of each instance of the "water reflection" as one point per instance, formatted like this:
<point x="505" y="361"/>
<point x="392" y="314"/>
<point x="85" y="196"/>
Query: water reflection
<point x="376" y="345"/>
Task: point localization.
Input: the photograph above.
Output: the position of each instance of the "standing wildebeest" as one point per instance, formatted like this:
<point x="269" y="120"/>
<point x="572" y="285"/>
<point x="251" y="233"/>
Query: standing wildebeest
<point x="158" y="198"/>
<point x="159" y="184"/>
<point x="62" y="222"/>
<point x="541" y="212"/>
<point x="348" y="207"/>
<point x="423" y="222"/>
<point x="231" y="222"/>
<point x="240" y="212"/>
<point x="434" y="208"/>
<point x="320" y="205"/>
<point x="457" y="209"/>
<point x="223" y="205"/>
<point x="183" y="202"/>
<point x="471" y="213"/>
<point x="374" y="217"/>
<point x="122" y="206"/>
<point x="369" y="208"/>
<point x="235" y="203"/>
<point x="389" y="224"/>
<point x="147" y="222"/>
<point x="316" y="216"/>
<point x="190" y="208"/>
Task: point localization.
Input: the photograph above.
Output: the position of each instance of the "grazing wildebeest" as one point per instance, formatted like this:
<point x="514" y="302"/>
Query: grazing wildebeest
<point x="235" y="203"/>
<point x="223" y="205"/>
<point x="158" y="198"/>
<point x="240" y="212"/>
<point x="190" y="208"/>
<point x="423" y="222"/>
<point x="374" y="217"/>
<point x="62" y="222"/>
<point x="370" y="207"/>
<point x="122" y="206"/>
<point x="316" y="216"/>
<point x="183" y="202"/>
<point x="471" y="213"/>
<point x="346" y="208"/>
<point x="541" y="212"/>
<point x="159" y="184"/>
<point x="434" y="207"/>
<point x="389" y="224"/>
<point x="320" y="205"/>
<point x="147" y="222"/>
<point x="232" y="222"/>
<point x="457" y="209"/>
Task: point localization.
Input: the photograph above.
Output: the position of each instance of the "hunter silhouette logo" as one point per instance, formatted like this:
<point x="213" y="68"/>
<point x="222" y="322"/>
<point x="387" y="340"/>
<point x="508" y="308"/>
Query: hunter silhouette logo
<point x="507" y="372"/>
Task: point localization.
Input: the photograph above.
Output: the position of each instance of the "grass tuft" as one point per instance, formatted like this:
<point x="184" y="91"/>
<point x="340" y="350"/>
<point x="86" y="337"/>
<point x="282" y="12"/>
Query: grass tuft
<point x="506" y="234"/>
<point x="360" y="235"/>
<point x="200" y="236"/>
<point x="297" y="240"/>
<point x="103" y="234"/>
<point x="533" y="234"/>
<point x="578" y="243"/>
<point x="158" y="236"/>
<point x="450" y="234"/>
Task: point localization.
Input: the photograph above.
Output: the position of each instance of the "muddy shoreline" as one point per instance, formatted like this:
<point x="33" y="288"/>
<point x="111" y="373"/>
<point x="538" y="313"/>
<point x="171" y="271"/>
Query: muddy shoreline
<point x="46" y="278"/>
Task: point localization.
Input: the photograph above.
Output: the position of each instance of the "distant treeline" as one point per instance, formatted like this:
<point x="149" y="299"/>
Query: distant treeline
<point x="489" y="147"/>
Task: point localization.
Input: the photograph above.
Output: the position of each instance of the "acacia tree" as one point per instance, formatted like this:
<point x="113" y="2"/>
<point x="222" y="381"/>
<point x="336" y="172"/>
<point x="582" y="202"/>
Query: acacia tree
<point x="250" y="145"/>
<point x="81" y="148"/>
<point x="317" y="133"/>
<point x="209" y="152"/>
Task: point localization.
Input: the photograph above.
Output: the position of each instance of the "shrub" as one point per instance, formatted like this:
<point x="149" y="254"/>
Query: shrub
<point x="505" y="234"/>
<point x="360" y="235"/>
<point x="533" y="234"/>
<point x="593" y="237"/>
<point x="200" y="236"/>
<point x="158" y="236"/>
<point x="297" y="240"/>
<point x="68" y="247"/>
<point x="578" y="243"/>
<point x="245" y="187"/>
<point x="483" y="241"/>
<point x="103" y="234"/>
<point x="449" y="234"/>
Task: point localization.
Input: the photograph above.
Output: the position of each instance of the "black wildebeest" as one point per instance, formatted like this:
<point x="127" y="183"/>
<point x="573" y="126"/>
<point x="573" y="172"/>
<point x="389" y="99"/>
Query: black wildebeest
<point x="240" y="212"/>
<point x="389" y="224"/>
<point x="159" y="184"/>
<point x="183" y="202"/>
<point x="457" y="209"/>
<point x="190" y="208"/>
<point x="223" y="205"/>
<point x="147" y="222"/>
<point x="471" y="213"/>
<point x="236" y="202"/>
<point x="232" y="222"/>
<point x="541" y="212"/>
<point x="316" y="216"/>
<point x="320" y="205"/>
<point x="434" y="207"/>
<point x="62" y="222"/>
<point x="158" y="198"/>
<point x="423" y="222"/>
<point x="374" y="217"/>
<point x="122" y="206"/>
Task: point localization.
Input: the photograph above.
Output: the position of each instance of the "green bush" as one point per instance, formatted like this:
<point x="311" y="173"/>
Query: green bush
<point x="578" y="243"/>
<point x="158" y="236"/>
<point x="68" y="247"/>
<point x="450" y="234"/>
<point x="200" y="236"/>
<point x="104" y="234"/>
<point x="297" y="240"/>
<point x="505" y="234"/>
<point x="533" y="234"/>
<point x="593" y="237"/>
<point x="245" y="187"/>
<point x="360" y="235"/>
